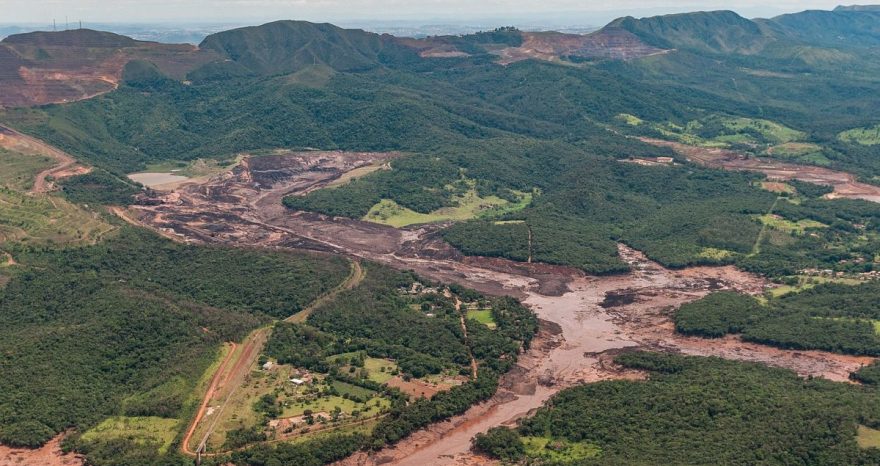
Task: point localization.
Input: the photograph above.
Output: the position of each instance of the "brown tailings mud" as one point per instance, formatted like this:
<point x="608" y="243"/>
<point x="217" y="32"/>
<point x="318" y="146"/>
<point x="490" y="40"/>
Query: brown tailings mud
<point x="49" y="454"/>
<point x="586" y="320"/>
<point x="845" y="185"/>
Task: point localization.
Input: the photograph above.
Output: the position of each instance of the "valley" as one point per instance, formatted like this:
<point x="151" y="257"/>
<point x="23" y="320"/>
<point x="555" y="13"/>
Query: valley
<point x="586" y="319"/>
<point x="296" y="243"/>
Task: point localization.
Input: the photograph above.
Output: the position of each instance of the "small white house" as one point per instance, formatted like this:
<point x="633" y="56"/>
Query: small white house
<point x="297" y="381"/>
<point x="268" y="365"/>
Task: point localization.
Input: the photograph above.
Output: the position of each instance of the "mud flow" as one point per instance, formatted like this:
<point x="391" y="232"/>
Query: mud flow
<point x="585" y="320"/>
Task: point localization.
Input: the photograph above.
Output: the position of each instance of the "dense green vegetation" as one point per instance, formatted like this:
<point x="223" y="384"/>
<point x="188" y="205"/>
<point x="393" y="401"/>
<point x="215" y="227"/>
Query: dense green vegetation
<point x="127" y="326"/>
<point x="98" y="187"/>
<point x="869" y="374"/>
<point x="709" y="411"/>
<point x="500" y="442"/>
<point x="831" y="317"/>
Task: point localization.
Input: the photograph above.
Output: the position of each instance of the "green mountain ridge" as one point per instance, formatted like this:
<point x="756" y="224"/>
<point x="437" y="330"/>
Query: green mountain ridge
<point x="284" y="47"/>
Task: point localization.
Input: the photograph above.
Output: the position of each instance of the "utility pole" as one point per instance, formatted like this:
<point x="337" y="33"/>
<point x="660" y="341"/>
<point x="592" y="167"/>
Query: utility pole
<point x="53" y="25"/>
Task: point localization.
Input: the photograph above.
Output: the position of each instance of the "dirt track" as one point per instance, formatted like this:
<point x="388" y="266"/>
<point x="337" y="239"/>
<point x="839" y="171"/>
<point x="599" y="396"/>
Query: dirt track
<point x="67" y="165"/>
<point x="585" y="319"/>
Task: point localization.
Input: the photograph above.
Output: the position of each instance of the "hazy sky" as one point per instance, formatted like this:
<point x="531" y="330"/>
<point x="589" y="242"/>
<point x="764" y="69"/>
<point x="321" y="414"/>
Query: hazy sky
<point x="560" y="11"/>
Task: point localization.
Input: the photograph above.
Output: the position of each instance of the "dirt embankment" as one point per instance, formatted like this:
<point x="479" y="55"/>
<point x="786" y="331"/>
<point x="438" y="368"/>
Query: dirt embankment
<point x="845" y="185"/>
<point x="585" y="319"/>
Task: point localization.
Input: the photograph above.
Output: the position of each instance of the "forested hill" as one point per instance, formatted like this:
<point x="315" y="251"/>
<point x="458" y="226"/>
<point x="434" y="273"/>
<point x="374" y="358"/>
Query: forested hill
<point x="287" y="46"/>
<point x="716" y="31"/>
<point x="74" y="37"/>
<point x="728" y="32"/>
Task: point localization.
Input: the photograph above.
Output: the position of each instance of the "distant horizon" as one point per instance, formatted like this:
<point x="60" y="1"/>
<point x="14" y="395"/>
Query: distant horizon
<point x="562" y="13"/>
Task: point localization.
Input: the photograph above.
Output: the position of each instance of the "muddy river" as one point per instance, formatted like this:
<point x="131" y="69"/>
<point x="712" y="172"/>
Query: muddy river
<point x="586" y="320"/>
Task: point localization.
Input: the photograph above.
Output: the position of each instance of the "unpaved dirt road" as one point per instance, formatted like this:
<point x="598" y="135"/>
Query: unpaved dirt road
<point x="13" y="140"/>
<point x="585" y="319"/>
<point x="845" y="185"/>
<point x="209" y="394"/>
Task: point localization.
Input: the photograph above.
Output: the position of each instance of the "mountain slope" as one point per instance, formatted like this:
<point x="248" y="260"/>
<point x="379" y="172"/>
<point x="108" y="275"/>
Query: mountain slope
<point x="715" y="31"/>
<point x="288" y="46"/>
<point x="843" y="26"/>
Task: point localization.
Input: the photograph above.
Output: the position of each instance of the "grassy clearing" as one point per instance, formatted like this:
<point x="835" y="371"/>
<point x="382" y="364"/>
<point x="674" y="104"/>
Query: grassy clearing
<point x="559" y="451"/>
<point x="863" y="136"/>
<point x="17" y="170"/>
<point x="142" y="430"/>
<point x="715" y="254"/>
<point x="347" y="388"/>
<point x="327" y="404"/>
<point x="768" y="129"/>
<point x="352" y="175"/>
<point x="483" y="316"/>
<point x="868" y="437"/>
<point x="631" y="120"/>
<point x="380" y="370"/>
<point x="47" y="220"/>
<point x="778" y="187"/>
<point x="468" y="206"/>
<point x="781" y="224"/>
<point x="800" y="152"/>
<point x="807" y="282"/>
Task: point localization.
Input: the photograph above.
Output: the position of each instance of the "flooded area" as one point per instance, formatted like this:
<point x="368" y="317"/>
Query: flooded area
<point x="157" y="180"/>
<point x="585" y="320"/>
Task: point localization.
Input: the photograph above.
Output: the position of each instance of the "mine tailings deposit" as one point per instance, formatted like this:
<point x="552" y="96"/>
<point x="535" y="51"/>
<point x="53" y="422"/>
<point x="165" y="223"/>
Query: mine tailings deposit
<point x="845" y="184"/>
<point x="585" y="320"/>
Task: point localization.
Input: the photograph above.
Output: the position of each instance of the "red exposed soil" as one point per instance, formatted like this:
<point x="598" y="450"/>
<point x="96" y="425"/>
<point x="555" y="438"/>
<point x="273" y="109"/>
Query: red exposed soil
<point x="585" y="319"/>
<point x="43" y="68"/>
<point x="845" y="185"/>
<point x="49" y="454"/>
<point x="613" y="43"/>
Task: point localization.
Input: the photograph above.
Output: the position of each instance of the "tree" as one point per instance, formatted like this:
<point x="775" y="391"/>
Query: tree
<point x="501" y="443"/>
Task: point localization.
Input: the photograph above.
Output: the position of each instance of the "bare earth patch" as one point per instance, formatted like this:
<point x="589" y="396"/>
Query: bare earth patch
<point x="49" y="454"/>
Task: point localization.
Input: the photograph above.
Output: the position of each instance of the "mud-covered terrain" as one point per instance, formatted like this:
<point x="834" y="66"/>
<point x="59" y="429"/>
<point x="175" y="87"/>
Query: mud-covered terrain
<point x="586" y="319"/>
<point x="845" y="184"/>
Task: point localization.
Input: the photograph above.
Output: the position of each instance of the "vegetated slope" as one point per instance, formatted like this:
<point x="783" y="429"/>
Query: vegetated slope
<point x="695" y="410"/>
<point x="844" y="26"/>
<point x="830" y="317"/>
<point x="284" y="47"/>
<point x="714" y="31"/>
<point x="48" y="67"/>
<point x="129" y="325"/>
